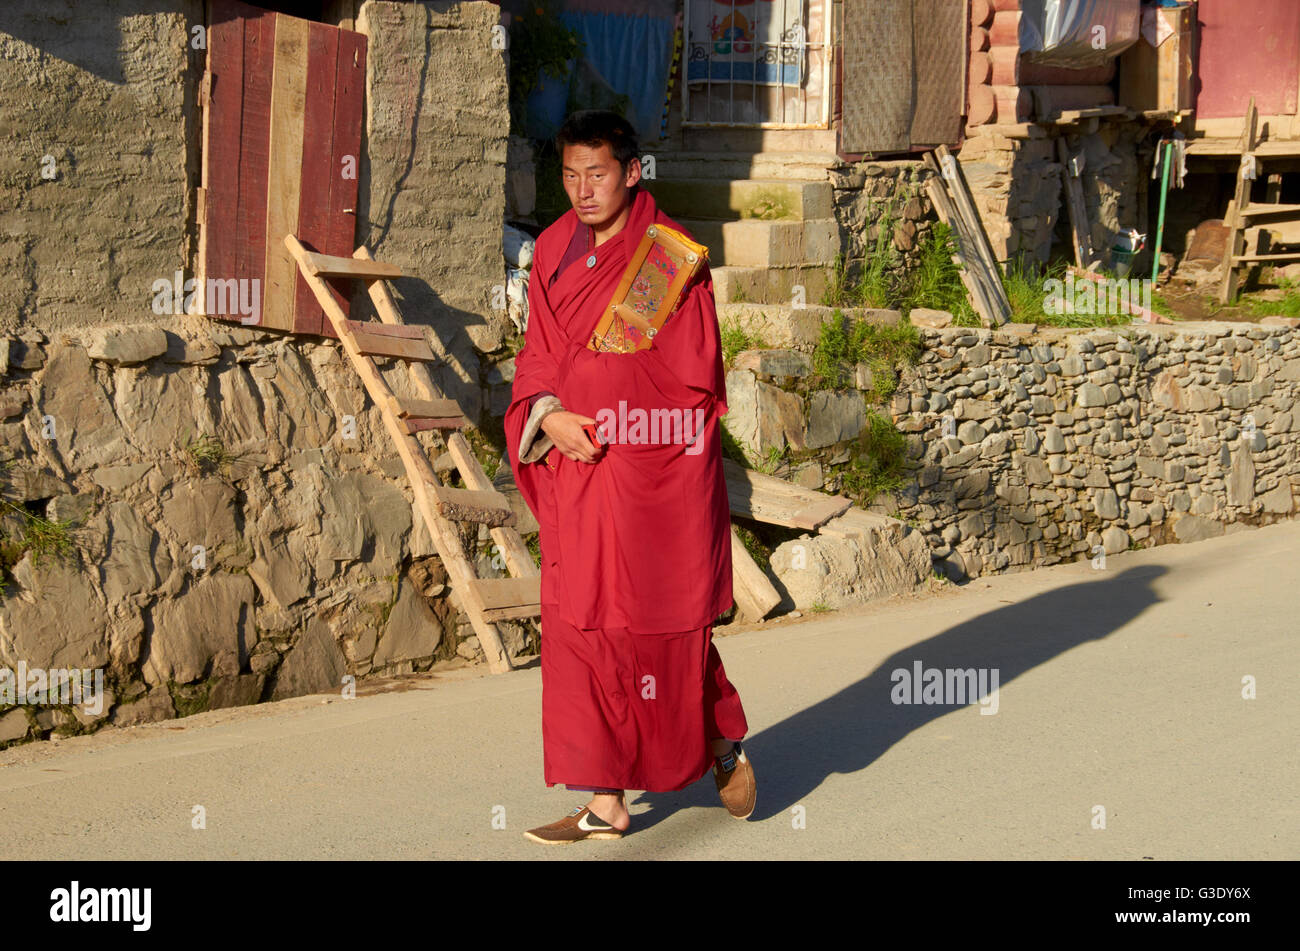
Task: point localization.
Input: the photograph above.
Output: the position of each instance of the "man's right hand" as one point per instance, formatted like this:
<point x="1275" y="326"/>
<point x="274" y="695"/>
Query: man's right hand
<point x="565" y="430"/>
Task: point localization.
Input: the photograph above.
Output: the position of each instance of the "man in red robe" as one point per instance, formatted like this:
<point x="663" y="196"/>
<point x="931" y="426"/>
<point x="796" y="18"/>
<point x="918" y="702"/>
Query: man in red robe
<point x="635" y="532"/>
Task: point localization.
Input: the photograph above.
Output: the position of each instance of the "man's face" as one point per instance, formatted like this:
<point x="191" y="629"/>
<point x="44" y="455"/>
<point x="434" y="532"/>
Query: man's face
<point x="598" y="187"/>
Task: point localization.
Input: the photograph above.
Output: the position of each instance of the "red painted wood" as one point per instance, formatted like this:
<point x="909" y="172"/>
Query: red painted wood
<point x="313" y="201"/>
<point x="349" y="103"/>
<point x="254" y="148"/>
<point x="241" y="51"/>
<point x="221" y="185"/>
<point x="1247" y="50"/>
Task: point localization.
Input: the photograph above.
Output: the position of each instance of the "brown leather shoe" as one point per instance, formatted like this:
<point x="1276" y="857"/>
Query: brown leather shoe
<point x="580" y="824"/>
<point x="734" y="777"/>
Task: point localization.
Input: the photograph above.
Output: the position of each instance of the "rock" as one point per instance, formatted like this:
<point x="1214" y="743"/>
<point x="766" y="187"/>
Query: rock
<point x="314" y="665"/>
<point x="1195" y="528"/>
<point x="774" y="363"/>
<point x="14" y="725"/>
<point x="72" y="635"/>
<point x="135" y="562"/>
<point x="127" y="344"/>
<point x="236" y="691"/>
<point x="833" y="417"/>
<point x="1278" y="501"/>
<point x="207" y="630"/>
<point x="413" y="631"/>
<point x="925" y="317"/>
<point x="1114" y="539"/>
<point x="1106" y="504"/>
<point x="86" y="430"/>
<point x="149" y="708"/>
<point x="853" y="570"/>
<point x="1241" y="481"/>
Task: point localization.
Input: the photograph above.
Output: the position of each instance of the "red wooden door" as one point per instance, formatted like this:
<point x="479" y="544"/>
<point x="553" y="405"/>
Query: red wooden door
<point x="281" y="154"/>
<point x="1244" y="50"/>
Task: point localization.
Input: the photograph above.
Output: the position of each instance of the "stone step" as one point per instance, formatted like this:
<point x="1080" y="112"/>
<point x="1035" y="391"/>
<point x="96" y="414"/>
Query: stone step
<point x="752" y="243"/>
<point x="783" y="166"/>
<point x="795" y="328"/>
<point x="769" y="285"/>
<point x="737" y="199"/>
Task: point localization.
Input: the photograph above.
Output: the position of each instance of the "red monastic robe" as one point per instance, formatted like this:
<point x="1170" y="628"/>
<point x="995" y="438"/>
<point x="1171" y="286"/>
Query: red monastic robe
<point x="636" y="547"/>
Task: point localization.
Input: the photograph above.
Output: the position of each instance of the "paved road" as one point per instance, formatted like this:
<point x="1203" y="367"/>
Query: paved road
<point x="1118" y="688"/>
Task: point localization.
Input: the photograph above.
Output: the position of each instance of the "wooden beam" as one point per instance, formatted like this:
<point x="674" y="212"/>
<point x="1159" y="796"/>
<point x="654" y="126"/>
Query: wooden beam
<point x="284" y="175"/>
<point x="753" y="591"/>
<point x="327" y="265"/>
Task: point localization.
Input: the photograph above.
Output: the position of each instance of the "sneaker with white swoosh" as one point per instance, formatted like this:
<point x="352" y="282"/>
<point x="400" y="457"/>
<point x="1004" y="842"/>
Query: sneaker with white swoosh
<point x="580" y="824"/>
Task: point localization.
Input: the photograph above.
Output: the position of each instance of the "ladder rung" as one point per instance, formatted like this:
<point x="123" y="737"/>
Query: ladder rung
<point x="509" y="597"/>
<point x="1246" y="258"/>
<point x="468" y="505"/>
<point x="327" y="265"/>
<point x="387" y="330"/>
<point x="419" y="424"/>
<point x="378" y="345"/>
<point x="409" y="407"/>
<point x="1259" y="211"/>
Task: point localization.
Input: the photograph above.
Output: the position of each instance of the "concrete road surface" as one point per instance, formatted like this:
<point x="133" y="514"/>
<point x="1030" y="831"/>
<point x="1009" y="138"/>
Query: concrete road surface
<point x="1120" y="732"/>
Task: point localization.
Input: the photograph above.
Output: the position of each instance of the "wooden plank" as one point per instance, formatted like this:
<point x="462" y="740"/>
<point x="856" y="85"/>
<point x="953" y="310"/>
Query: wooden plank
<point x="388" y="330"/>
<point x="378" y="345"/>
<point x="406" y="406"/>
<point x="765" y="498"/>
<point x="817" y="513"/>
<point x="426" y="423"/>
<point x="317" y="135"/>
<point x="505" y="598"/>
<point x="984" y="251"/>
<point x="985" y="283"/>
<point x="1080" y="230"/>
<point x="328" y="265"/>
<point x="1247" y="258"/>
<point x="284" y="172"/>
<point x="974" y="289"/>
<point x="345" y="161"/>
<point x="222" y="114"/>
<point x="254" y="155"/>
<point x="753" y="591"/>
<point x="487" y="506"/>
<point x="1266" y="211"/>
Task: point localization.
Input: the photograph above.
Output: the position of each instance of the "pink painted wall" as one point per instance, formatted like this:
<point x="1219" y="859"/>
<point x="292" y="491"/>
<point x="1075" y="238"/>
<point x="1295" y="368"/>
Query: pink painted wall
<point x="1247" y="48"/>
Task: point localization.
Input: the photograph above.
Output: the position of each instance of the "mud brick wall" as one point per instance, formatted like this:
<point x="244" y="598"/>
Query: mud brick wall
<point x="107" y="91"/>
<point x="434" y="183"/>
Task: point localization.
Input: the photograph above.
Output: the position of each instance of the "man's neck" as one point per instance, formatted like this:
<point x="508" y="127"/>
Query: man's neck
<point x="615" y="224"/>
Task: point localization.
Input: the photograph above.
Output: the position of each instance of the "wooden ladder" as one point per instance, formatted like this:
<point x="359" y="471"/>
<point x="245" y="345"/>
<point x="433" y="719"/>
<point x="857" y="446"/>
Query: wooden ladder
<point x="485" y="600"/>
<point x="1237" y="259"/>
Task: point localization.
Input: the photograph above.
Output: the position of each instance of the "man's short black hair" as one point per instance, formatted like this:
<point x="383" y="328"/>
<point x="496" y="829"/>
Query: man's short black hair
<point x="596" y="127"/>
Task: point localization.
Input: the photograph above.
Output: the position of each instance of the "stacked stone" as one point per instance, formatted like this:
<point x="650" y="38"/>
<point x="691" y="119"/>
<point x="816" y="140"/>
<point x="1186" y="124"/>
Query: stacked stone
<point x="866" y="192"/>
<point x="203" y="586"/>
<point x="1046" y="447"/>
<point x="1016" y="187"/>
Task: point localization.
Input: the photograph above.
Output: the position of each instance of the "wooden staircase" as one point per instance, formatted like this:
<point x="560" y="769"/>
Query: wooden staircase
<point x="1238" y="259"/>
<point x="484" y="600"/>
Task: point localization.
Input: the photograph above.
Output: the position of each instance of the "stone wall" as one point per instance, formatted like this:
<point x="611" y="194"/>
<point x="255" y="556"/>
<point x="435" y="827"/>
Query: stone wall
<point x="865" y="193"/>
<point x="242" y="525"/>
<point x="1031" y="446"/>
<point x="1016" y="186"/>
<point x="107" y="91"/>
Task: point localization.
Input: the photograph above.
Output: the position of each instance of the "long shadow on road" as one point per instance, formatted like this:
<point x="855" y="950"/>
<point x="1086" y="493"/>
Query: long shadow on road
<point x="849" y="731"/>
